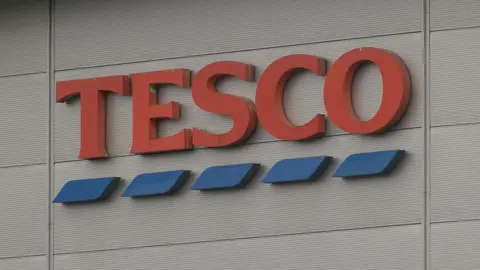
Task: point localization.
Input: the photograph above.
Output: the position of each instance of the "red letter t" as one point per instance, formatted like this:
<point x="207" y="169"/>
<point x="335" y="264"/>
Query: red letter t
<point x="92" y="102"/>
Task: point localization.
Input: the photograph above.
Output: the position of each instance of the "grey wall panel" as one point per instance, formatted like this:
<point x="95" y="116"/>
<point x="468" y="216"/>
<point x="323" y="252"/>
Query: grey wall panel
<point x="303" y="98"/>
<point x="392" y="248"/>
<point x="24" y="263"/>
<point x="23" y="211"/>
<point x="91" y="33"/>
<point x="455" y="245"/>
<point x="23" y="36"/>
<point x="259" y="210"/>
<point x="454" y="80"/>
<point x="448" y="14"/>
<point x="454" y="172"/>
<point x="23" y="118"/>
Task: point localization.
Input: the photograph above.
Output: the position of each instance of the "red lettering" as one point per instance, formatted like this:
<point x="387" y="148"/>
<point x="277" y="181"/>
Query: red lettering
<point x="146" y="112"/>
<point x="241" y="110"/>
<point x="338" y="89"/>
<point x="269" y="102"/>
<point x="92" y="111"/>
<point x="269" y="98"/>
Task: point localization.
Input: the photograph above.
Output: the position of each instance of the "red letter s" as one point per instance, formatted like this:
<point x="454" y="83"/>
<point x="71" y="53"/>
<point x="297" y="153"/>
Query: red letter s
<point x="241" y="110"/>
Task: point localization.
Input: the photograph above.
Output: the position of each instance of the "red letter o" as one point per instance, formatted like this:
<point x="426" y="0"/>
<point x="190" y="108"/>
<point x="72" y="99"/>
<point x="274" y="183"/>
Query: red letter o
<point x="338" y="90"/>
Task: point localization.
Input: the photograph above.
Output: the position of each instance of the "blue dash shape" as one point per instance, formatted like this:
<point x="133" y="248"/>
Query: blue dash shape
<point x="223" y="177"/>
<point x="158" y="183"/>
<point x="369" y="164"/>
<point x="87" y="190"/>
<point x="297" y="170"/>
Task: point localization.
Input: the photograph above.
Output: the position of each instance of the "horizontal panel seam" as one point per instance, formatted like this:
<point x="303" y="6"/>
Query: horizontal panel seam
<point x="252" y="143"/>
<point x="241" y="238"/>
<point x="456" y="220"/>
<point x="235" y="51"/>
<point x="22" y="74"/>
<point x="456" y="124"/>
<point x="454" y="28"/>
<point x="23" y="256"/>
<point x="22" y="165"/>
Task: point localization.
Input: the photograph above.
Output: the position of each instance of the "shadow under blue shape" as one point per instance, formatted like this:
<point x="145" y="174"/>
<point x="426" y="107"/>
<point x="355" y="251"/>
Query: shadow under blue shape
<point x="369" y="164"/>
<point x="297" y="170"/>
<point x="223" y="177"/>
<point x="158" y="183"/>
<point x="87" y="190"/>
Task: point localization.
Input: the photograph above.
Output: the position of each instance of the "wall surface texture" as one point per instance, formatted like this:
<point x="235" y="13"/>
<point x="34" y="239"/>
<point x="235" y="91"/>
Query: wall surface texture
<point x="425" y="216"/>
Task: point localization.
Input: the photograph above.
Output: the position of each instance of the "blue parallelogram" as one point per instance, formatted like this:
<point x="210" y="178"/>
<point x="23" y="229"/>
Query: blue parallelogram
<point x="158" y="183"/>
<point x="297" y="170"/>
<point x="369" y="164"/>
<point x="229" y="176"/>
<point x="87" y="190"/>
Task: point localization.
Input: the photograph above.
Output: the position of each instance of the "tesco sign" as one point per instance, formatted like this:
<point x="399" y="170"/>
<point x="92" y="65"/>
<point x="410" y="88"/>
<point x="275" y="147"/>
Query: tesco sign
<point x="267" y="108"/>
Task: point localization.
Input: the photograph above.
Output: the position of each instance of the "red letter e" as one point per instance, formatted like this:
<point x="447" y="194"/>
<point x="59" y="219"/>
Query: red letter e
<point x="146" y="112"/>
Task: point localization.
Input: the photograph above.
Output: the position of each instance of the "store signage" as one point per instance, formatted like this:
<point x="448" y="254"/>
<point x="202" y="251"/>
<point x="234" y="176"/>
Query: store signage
<point x="267" y="110"/>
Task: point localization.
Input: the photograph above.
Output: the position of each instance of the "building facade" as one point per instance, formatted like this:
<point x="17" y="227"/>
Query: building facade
<point x="423" y="215"/>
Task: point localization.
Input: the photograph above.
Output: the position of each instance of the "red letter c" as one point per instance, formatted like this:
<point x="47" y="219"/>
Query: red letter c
<point x="269" y="98"/>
